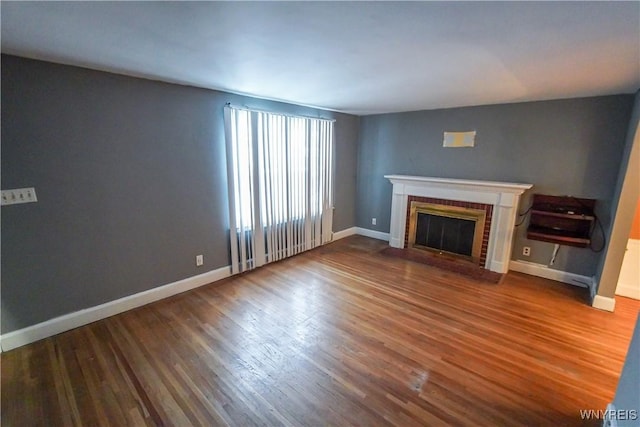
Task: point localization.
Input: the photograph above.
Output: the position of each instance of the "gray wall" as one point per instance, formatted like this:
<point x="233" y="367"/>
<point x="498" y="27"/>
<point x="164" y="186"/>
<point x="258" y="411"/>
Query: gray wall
<point x="131" y="182"/>
<point x="628" y="392"/>
<point x="623" y="208"/>
<point x="565" y="147"/>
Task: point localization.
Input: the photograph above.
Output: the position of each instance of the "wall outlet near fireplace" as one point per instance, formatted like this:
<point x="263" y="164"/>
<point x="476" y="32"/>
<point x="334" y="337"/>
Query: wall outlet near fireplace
<point x="199" y="260"/>
<point x="526" y="250"/>
<point x="373" y="221"/>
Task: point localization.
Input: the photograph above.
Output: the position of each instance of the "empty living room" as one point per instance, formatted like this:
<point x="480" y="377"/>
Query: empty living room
<point x="320" y="213"/>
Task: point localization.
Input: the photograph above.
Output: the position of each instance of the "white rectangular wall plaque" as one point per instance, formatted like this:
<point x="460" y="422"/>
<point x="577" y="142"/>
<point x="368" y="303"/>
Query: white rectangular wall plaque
<point x="459" y="139"/>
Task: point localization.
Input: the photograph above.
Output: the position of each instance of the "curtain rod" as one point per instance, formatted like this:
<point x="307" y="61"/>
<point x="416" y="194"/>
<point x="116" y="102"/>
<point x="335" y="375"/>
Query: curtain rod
<point x="260" y="110"/>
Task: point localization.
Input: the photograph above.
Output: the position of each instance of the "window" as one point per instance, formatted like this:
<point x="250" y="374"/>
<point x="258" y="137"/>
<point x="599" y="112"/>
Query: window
<point x="280" y="185"/>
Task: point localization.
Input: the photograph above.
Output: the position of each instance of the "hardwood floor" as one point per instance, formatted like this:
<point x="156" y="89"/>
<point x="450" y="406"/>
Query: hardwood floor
<point x="341" y="335"/>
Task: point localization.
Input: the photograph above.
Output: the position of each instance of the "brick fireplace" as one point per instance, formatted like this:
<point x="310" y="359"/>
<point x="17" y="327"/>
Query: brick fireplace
<point x="498" y="200"/>
<point x="482" y="213"/>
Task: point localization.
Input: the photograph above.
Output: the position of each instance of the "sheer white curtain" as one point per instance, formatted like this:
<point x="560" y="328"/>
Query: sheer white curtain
<point x="280" y="185"/>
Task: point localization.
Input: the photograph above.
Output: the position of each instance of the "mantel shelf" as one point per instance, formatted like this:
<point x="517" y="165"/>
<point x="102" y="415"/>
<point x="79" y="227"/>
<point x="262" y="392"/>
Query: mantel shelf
<point x="462" y="183"/>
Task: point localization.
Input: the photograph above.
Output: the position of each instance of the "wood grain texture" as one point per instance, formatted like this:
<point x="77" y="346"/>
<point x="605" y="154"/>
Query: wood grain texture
<point x="341" y="335"/>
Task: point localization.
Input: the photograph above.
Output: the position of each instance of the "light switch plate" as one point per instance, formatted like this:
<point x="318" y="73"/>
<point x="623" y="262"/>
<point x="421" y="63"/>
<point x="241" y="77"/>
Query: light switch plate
<point x="19" y="195"/>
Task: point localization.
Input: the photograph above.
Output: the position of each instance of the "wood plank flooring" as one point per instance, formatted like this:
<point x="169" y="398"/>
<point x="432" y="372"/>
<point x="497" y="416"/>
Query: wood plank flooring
<point x="340" y="335"/>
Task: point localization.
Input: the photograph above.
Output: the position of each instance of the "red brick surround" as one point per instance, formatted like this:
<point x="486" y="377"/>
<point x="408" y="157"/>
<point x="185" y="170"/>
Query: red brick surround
<point x="487" y="225"/>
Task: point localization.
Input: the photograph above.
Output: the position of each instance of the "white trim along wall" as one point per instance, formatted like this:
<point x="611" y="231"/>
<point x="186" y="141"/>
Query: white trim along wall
<point x="74" y="320"/>
<point x="542" y="270"/>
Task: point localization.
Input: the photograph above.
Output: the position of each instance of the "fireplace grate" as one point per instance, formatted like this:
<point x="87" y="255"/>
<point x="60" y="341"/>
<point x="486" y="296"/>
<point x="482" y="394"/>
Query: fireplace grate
<point x="454" y="235"/>
<point x="453" y="229"/>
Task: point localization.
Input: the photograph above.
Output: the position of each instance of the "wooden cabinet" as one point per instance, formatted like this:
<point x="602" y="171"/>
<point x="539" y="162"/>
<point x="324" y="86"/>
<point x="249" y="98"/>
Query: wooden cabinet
<point x="561" y="219"/>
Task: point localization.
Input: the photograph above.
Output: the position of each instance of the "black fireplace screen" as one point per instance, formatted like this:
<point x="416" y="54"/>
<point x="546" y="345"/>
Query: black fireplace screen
<point x="445" y="233"/>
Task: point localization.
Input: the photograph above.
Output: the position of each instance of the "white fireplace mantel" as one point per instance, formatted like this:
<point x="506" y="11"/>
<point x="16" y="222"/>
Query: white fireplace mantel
<point x="504" y="196"/>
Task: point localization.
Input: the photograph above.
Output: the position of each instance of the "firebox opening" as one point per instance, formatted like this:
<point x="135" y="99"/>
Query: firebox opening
<point x="450" y="229"/>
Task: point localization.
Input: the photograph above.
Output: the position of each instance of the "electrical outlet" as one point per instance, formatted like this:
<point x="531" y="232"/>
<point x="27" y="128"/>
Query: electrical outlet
<point x="19" y="195"/>
<point x="373" y="221"/>
<point x="526" y="251"/>
<point x="199" y="260"/>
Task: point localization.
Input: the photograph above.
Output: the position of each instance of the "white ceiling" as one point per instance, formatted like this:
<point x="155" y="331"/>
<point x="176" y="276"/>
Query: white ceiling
<point x="356" y="57"/>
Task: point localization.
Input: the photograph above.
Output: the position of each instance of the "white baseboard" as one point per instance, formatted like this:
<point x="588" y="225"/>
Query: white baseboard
<point x="603" y="303"/>
<point x="541" y="270"/>
<point x="76" y="319"/>
<point x="344" y="233"/>
<point x="373" y="233"/>
<point x="361" y="231"/>
<point x="70" y="321"/>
